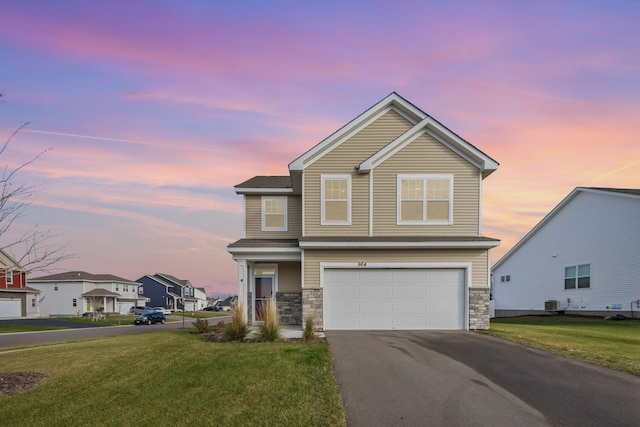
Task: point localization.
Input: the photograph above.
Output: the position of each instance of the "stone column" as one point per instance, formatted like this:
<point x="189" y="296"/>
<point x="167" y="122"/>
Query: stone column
<point x="479" y="302"/>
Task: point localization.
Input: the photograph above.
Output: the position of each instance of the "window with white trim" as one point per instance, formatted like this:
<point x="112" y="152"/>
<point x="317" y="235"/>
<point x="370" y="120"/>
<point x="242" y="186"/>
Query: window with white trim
<point x="336" y="199"/>
<point x="8" y="276"/>
<point x="425" y="199"/>
<point x="274" y="213"/>
<point x="577" y="276"/>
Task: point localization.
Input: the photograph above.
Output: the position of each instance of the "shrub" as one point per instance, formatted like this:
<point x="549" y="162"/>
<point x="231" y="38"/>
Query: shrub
<point x="269" y="330"/>
<point x="309" y="332"/>
<point x="202" y="326"/>
<point x="236" y="330"/>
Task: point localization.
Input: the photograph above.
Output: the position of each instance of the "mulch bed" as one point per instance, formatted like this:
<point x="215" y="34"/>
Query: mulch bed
<point x="15" y="382"/>
<point x="217" y="337"/>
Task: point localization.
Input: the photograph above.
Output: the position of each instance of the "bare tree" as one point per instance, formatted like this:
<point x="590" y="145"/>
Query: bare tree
<point x="34" y="250"/>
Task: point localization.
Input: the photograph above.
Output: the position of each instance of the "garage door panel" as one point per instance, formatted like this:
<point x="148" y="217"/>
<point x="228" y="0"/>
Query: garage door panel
<point x="387" y="299"/>
<point x="411" y="276"/>
<point x="342" y="275"/>
<point x="377" y="291"/>
<point x="345" y="291"/>
<point x="377" y="322"/>
<point x="410" y="307"/>
<point x="384" y="276"/>
<point x="10" y="307"/>
<point x="369" y="306"/>
<point x="410" y="291"/>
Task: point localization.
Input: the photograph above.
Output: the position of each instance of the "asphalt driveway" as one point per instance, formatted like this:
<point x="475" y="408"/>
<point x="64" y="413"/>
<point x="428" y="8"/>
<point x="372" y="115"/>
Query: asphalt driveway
<point x="427" y="378"/>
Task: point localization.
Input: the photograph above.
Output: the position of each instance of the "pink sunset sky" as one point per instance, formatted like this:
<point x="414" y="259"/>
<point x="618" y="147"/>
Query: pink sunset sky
<point x="154" y="110"/>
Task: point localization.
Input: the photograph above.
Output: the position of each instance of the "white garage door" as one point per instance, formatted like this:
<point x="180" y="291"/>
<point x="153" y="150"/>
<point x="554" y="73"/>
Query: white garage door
<point x="10" y="307"/>
<point x="387" y="299"/>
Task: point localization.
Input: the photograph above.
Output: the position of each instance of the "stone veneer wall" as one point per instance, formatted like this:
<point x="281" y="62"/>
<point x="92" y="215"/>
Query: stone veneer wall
<point x="289" y="307"/>
<point x="478" y="309"/>
<point x="312" y="304"/>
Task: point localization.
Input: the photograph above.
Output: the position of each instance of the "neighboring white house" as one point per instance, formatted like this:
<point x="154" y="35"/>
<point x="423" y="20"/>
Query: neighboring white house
<point x="582" y="258"/>
<point x="76" y="292"/>
<point x="200" y="294"/>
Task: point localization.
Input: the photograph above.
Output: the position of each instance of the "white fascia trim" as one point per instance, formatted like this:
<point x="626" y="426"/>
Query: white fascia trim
<point x="371" y="205"/>
<point x="487" y="162"/>
<point x="263" y="190"/>
<point x="391" y="102"/>
<point x="392" y="148"/>
<point x="300" y="164"/>
<point x="480" y="203"/>
<point x="410" y="245"/>
<point x="302" y="269"/>
<point x="244" y="217"/>
<point x="456" y="149"/>
<point x="263" y="250"/>
<point x="266" y="257"/>
<point x="303" y="206"/>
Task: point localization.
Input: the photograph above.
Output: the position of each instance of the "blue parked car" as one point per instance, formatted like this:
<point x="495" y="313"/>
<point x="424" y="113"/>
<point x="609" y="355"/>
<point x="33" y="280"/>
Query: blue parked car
<point x="150" y="317"/>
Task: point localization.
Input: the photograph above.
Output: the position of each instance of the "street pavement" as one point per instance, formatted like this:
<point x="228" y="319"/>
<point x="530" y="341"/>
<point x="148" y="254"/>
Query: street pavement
<point x="428" y="378"/>
<point x="86" y="330"/>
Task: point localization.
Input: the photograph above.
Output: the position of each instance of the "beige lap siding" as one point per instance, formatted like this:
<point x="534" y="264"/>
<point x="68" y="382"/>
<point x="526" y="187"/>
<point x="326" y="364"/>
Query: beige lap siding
<point x="426" y="156"/>
<point x="289" y="278"/>
<point x="477" y="257"/>
<point x="343" y="160"/>
<point x="253" y="218"/>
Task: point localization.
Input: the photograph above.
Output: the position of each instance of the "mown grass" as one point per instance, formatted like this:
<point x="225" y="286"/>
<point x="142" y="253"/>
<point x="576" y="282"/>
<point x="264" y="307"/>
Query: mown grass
<point x="175" y="378"/>
<point x="613" y="344"/>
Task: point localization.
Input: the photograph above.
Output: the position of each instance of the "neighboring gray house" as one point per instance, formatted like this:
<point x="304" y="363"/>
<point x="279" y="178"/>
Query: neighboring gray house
<point x="76" y="292"/>
<point x="582" y="258"/>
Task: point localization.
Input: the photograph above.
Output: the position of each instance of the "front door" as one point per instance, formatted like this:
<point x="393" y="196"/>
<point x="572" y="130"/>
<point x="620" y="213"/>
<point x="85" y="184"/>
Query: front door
<point x="263" y="291"/>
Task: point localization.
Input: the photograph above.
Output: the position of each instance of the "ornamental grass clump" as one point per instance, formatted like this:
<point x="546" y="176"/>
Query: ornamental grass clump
<point x="202" y="326"/>
<point x="236" y="330"/>
<point x="269" y="330"/>
<point x="309" y="333"/>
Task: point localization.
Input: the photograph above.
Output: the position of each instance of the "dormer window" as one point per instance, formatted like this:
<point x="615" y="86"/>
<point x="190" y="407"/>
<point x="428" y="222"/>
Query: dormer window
<point x="274" y="213"/>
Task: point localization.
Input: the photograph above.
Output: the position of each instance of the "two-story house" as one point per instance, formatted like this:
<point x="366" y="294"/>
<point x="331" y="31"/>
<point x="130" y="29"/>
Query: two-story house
<point x="165" y="290"/>
<point x="376" y="227"/>
<point x="16" y="298"/>
<point x="73" y="293"/>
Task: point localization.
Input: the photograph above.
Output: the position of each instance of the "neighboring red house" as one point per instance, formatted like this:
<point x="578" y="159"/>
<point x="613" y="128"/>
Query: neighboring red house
<point x="16" y="298"/>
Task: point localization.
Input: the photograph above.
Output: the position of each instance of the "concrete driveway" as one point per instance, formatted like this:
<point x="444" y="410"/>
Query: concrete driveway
<point x="426" y="378"/>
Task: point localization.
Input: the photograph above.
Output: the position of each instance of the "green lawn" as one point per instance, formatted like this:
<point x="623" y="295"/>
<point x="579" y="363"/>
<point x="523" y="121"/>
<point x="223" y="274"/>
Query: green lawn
<point x="613" y="344"/>
<point x="175" y="378"/>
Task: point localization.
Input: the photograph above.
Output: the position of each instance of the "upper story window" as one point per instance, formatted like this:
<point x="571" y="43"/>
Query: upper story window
<point x="8" y="276"/>
<point x="274" y="213"/>
<point x="425" y="199"/>
<point x="336" y="199"/>
<point x="577" y="276"/>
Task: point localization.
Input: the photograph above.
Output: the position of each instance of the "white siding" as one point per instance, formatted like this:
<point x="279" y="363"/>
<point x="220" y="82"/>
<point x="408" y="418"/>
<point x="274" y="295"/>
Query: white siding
<point x="593" y="228"/>
<point x="60" y="301"/>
